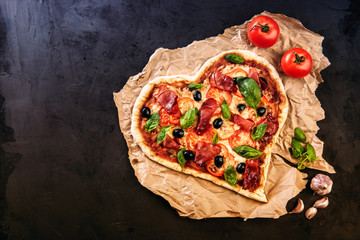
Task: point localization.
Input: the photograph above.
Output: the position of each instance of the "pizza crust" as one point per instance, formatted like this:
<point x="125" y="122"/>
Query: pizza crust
<point x="259" y="193"/>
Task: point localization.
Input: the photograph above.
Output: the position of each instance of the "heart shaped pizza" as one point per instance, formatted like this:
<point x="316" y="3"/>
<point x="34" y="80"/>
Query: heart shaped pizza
<point x="219" y="125"/>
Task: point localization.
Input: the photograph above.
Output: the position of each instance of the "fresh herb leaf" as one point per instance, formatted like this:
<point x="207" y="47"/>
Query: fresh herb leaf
<point x="297" y="145"/>
<point x="239" y="79"/>
<point x="225" y="110"/>
<point x="230" y="176"/>
<point x="194" y="86"/>
<point x="295" y="153"/>
<point x="247" y="152"/>
<point x="152" y="122"/>
<point x="258" y="132"/>
<point x="251" y="92"/>
<point x="310" y="153"/>
<point x="181" y="158"/>
<point x="234" y="58"/>
<point x="215" y="139"/>
<point x="162" y="134"/>
<point x="188" y="119"/>
<point x="299" y="135"/>
<point x="172" y="155"/>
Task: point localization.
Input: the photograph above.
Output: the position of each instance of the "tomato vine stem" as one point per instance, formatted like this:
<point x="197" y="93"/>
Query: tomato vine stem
<point x="299" y="59"/>
<point x="264" y="29"/>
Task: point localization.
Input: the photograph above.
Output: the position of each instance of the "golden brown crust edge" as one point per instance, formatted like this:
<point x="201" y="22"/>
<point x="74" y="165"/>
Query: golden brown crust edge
<point x="259" y="193"/>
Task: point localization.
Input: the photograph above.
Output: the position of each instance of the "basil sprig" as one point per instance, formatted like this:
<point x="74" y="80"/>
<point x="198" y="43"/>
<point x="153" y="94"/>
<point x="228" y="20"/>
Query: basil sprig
<point x="247" y="152"/>
<point x="258" y="132"/>
<point x="162" y="134"/>
<point x="181" y="158"/>
<point x="225" y="110"/>
<point x="194" y="86"/>
<point x="305" y="156"/>
<point x="188" y="119"/>
<point x="230" y="176"/>
<point x="233" y="58"/>
<point x="250" y="90"/>
<point x="215" y="139"/>
<point x="152" y="122"/>
<point x="300" y="135"/>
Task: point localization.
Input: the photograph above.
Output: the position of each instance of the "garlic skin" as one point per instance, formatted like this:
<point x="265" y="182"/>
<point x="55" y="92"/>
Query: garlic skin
<point x="310" y="213"/>
<point x="321" y="184"/>
<point x="299" y="207"/>
<point x="321" y="203"/>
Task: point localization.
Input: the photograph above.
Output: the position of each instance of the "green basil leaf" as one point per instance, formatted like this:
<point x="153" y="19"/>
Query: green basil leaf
<point x="258" y="132"/>
<point x="230" y="176"/>
<point x="152" y="122"/>
<point x="297" y="145"/>
<point x="188" y="119"/>
<point x="295" y="153"/>
<point x="225" y="110"/>
<point x="181" y="158"/>
<point x="310" y="153"/>
<point x="247" y="152"/>
<point x="301" y="165"/>
<point x="238" y="80"/>
<point x="299" y="135"/>
<point x="215" y="139"/>
<point x="251" y="92"/>
<point x="162" y="134"/>
<point x="234" y="58"/>
<point x="194" y="86"/>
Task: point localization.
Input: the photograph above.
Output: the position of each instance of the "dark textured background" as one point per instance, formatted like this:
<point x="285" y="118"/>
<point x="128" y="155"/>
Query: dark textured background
<point x="64" y="169"/>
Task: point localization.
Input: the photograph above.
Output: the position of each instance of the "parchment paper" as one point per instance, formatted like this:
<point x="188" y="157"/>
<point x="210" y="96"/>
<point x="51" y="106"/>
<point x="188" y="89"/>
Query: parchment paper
<point x="197" y="198"/>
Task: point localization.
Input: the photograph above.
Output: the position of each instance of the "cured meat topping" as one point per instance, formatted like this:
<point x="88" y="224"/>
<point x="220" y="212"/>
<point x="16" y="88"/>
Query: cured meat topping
<point x="251" y="175"/>
<point x="222" y="81"/>
<point x="167" y="99"/>
<point x="245" y="124"/>
<point x="205" y="151"/>
<point x="207" y="109"/>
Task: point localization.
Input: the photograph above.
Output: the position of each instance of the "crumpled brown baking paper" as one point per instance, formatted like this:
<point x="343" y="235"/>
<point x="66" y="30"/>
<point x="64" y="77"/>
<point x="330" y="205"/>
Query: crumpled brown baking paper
<point x="197" y="198"/>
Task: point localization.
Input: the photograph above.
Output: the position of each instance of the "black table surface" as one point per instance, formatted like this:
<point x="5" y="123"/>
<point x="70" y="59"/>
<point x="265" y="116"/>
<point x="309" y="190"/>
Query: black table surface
<point x="64" y="167"/>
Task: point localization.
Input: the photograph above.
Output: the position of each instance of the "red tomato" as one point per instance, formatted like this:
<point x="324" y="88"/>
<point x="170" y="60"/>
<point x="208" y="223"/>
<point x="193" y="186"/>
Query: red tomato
<point x="296" y="63"/>
<point x="213" y="169"/>
<point x="263" y="31"/>
<point x="219" y="95"/>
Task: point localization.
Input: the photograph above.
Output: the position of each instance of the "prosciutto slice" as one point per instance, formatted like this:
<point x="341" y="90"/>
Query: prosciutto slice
<point x="254" y="75"/>
<point x="167" y="99"/>
<point x="245" y="124"/>
<point x="272" y="124"/>
<point x="207" y="109"/>
<point x="170" y="143"/>
<point x="251" y="177"/>
<point x="222" y="81"/>
<point x="205" y="151"/>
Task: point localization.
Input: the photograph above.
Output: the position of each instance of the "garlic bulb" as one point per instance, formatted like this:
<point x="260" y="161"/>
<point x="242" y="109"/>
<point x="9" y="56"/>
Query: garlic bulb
<point x="299" y="207"/>
<point x="321" y="203"/>
<point x="321" y="184"/>
<point x="310" y="213"/>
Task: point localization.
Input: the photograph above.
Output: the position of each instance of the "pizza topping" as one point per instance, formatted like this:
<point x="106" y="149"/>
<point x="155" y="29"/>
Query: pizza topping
<point x="168" y="142"/>
<point x="254" y="75"/>
<point x="207" y="109"/>
<point x="258" y="132"/>
<point x="205" y="151"/>
<point x="251" y="178"/>
<point x="233" y="58"/>
<point x="189" y="155"/>
<point x="163" y="133"/>
<point x="169" y="119"/>
<point x="263" y="83"/>
<point x="145" y="112"/>
<point x="188" y="119"/>
<point x="167" y="99"/>
<point x="245" y="124"/>
<point x="217" y="123"/>
<point x="230" y="176"/>
<point x="250" y="89"/>
<point x="152" y="122"/>
<point x="219" y="161"/>
<point x="215" y="139"/>
<point x="240" y="168"/>
<point x="214" y="169"/>
<point x="194" y="86"/>
<point x="222" y="81"/>
<point x="178" y="133"/>
<point x="241" y="107"/>
<point x="272" y="124"/>
<point x="261" y="111"/>
<point x="197" y="96"/>
<point x="248" y="152"/>
<point x="181" y="158"/>
<point x="225" y="110"/>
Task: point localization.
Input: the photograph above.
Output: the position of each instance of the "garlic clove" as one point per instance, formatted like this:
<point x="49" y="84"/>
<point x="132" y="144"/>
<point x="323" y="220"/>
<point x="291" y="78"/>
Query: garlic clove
<point x="310" y="213"/>
<point x="321" y="203"/>
<point x="299" y="207"/>
<point x="321" y="184"/>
